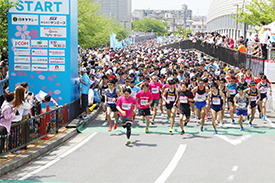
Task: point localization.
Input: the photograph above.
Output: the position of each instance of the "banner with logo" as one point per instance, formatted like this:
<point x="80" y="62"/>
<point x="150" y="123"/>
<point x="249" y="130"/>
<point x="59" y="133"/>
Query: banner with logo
<point x="43" y="47"/>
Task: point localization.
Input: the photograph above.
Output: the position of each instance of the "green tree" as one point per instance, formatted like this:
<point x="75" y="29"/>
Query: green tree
<point x="94" y="29"/>
<point x="149" y="24"/>
<point x="4" y="24"/>
<point x="256" y="11"/>
<point x="182" y="31"/>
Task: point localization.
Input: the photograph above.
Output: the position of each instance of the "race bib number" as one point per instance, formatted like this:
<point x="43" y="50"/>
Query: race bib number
<point x="103" y="92"/>
<point x="242" y="105"/>
<point x="183" y="100"/>
<point x="253" y="98"/>
<point x="143" y="102"/>
<point x="110" y="100"/>
<point x="216" y="101"/>
<point x="155" y="90"/>
<point x="232" y="91"/>
<point x="171" y="98"/>
<point x="200" y="98"/>
<point x="264" y="90"/>
<point x="126" y="107"/>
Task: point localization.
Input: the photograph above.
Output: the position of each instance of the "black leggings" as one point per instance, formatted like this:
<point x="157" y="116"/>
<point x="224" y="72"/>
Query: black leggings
<point x="128" y="126"/>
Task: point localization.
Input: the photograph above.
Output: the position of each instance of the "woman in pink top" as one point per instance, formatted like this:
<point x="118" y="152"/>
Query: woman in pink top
<point x="155" y="88"/>
<point x="126" y="105"/>
<point x="145" y="99"/>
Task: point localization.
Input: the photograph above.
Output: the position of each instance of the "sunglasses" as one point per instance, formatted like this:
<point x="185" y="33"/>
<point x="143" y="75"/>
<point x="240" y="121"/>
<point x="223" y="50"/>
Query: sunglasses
<point x="127" y="81"/>
<point x="240" y="90"/>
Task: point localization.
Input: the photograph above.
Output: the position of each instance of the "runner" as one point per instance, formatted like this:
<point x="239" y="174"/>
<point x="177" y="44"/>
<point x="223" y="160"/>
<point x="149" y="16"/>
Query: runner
<point x="185" y="97"/>
<point x="127" y="106"/>
<point x="155" y="88"/>
<point x="224" y="89"/>
<point x="170" y="96"/>
<point x="248" y="77"/>
<point x="191" y="87"/>
<point x="111" y="95"/>
<point x="102" y="87"/>
<point x="216" y="100"/>
<point x="200" y="93"/>
<point x="263" y="86"/>
<point x="232" y="88"/>
<point x="145" y="99"/>
<point x="254" y="95"/>
<point x="240" y="101"/>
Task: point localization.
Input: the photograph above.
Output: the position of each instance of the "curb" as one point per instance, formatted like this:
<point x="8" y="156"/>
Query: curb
<point x="32" y="155"/>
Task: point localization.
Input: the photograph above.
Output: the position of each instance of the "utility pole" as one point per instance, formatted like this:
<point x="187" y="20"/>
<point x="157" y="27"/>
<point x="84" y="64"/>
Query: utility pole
<point x="236" y="31"/>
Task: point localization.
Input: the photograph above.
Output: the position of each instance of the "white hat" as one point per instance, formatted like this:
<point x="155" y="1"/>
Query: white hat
<point x="83" y="69"/>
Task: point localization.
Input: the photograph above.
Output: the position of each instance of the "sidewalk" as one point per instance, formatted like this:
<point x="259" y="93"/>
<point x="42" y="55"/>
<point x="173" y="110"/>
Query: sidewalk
<point x="41" y="147"/>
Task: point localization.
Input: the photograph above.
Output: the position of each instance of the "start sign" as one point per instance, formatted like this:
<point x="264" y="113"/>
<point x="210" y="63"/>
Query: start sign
<point x="42" y="6"/>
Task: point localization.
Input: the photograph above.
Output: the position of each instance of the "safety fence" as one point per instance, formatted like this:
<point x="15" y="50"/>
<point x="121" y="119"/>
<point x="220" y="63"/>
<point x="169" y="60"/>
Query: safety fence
<point x="227" y="55"/>
<point x="38" y="127"/>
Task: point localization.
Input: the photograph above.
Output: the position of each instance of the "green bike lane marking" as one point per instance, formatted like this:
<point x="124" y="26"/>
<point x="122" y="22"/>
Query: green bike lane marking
<point x="208" y="129"/>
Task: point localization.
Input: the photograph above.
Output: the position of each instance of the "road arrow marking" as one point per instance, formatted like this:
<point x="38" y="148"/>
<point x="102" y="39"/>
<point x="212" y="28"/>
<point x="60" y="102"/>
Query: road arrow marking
<point x="234" y="141"/>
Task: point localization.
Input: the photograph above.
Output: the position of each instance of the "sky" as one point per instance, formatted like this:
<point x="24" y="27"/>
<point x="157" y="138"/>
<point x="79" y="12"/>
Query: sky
<point x="199" y="7"/>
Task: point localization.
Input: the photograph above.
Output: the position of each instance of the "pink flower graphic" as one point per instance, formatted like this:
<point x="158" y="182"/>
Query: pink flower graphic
<point x="33" y="33"/>
<point x="22" y="32"/>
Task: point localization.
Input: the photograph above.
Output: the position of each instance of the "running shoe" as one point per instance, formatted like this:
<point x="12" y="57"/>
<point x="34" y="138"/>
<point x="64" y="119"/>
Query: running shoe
<point x="241" y="129"/>
<point x="144" y="121"/>
<point x="162" y="115"/>
<point x="248" y="118"/>
<point x="185" y="123"/>
<point x="115" y="126"/>
<point x="215" y="132"/>
<point x="196" y="119"/>
<point x="260" y="115"/>
<point x="167" y="120"/>
<point x="86" y="117"/>
<point x="233" y="122"/>
<point x="152" y="122"/>
<point x="201" y="129"/>
<point x="171" y="130"/>
<point x="128" y="143"/>
<point x="250" y="124"/>
<point x="264" y="118"/>
<point x="118" y="121"/>
<point x="182" y="132"/>
<point x="175" y="115"/>
<point x="104" y="113"/>
<point x="110" y="128"/>
<point x="220" y="124"/>
<point x="146" y="130"/>
<point x="16" y="152"/>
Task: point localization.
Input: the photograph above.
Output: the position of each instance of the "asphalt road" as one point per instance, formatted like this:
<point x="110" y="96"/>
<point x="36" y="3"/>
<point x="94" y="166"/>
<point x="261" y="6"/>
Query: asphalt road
<point x="98" y="156"/>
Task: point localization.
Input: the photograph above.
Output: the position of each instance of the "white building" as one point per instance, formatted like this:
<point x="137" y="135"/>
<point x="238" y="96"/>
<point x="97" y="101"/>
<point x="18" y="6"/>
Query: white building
<point x="219" y="18"/>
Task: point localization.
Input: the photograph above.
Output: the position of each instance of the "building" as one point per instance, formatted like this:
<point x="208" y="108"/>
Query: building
<point x="198" y="26"/>
<point x="219" y="18"/>
<point x="174" y="18"/>
<point x="119" y="10"/>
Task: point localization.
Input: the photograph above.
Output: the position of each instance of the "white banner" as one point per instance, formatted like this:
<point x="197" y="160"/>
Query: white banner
<point x="39" y="43"/>
<point x="53" y="20"/>
<point x="22" y="60"/>
<point x="24" y="19"/>
<point x="53" y="32"/>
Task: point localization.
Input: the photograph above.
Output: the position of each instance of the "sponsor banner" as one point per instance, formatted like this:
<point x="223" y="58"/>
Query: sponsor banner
<point x="57" y="60"/>
<point x="22" y="60"/>
<point x="22" y="51"/>
<point x="41" y="7"/>
<point x="53" y="32"/>
<point x="40" y="52"/>
<point x="24" y="19"/>
<point x="40" y="60"/>
<point x="53" y="20"/>
<point x="22" y="67"/>
<point x="57" y="68"/>
<point x="57" y="52"/>
<point x="21" y="43"/>
<point x="39" y="68"/>
<point x="57" y="44"/>
<point x="39" y="43"/>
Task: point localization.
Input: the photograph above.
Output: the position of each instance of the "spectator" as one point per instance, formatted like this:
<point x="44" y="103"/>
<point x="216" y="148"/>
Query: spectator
<point x="242" y="47"/>
<point x="85" y="85"/>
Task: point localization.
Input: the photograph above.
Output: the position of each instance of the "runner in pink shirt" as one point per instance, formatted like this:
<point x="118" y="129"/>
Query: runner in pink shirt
<point x="145" y="99"/>
<point x="155" y="88"/>
<point x="126" y="106"/>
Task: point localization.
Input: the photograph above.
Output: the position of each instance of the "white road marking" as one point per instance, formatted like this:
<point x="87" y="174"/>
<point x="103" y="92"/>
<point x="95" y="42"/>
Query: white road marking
<point x="58" y="158"/>
<point x="230" y="178"/>
<point x="172" y="165"/>
<point x="235" y="168"/>
<point x="270" y="122"/>
<point x="105" y="123"/>
<point x="234" y="141"/>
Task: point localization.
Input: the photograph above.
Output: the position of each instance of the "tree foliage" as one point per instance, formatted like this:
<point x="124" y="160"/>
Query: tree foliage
<point x="256" y="11"/>
<point x="4" y="24"/>
<point x="149" y="24"/>
<point x="182" y="31"/>
<point x="94" y="29"/>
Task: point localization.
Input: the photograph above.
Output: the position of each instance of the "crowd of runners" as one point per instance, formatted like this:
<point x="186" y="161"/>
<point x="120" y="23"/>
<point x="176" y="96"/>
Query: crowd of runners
<point x="141" y="80"/>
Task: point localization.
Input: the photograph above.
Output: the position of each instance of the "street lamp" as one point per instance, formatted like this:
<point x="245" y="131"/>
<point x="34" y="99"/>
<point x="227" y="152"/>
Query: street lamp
<point x="236" y="31"/>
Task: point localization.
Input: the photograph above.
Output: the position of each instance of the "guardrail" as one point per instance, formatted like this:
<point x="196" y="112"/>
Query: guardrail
<point x="37" y="127"/>
<point x="227" y="55"/>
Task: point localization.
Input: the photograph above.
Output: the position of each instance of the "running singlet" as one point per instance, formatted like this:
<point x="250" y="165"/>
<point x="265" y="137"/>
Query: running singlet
<point x="265" y="87"/>
<point x="248" y="79"/>
<point x="184" y="96"/>
<point x="232" y="90"/>
<point x="242" y="102"/>
<point x="171" y="96"/>
<point x="111" y="97"/>
<point x="103" y="90"/>
<point x="216" y="101"/>
<point x="253" y="96"/>
<point x="200" y="95"/>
